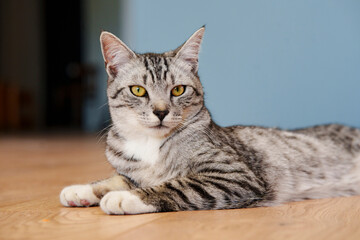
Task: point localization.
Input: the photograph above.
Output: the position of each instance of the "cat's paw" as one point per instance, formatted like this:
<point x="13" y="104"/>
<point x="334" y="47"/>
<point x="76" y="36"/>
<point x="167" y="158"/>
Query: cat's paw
<point x="78" y="196"/>
<point x="124" y="202"/>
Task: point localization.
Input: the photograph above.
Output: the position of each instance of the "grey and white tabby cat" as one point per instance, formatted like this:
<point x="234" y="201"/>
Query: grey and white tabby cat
<point x="170" y="156"/>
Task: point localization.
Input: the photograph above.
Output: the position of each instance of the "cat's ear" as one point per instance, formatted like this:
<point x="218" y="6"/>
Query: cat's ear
<point x="189" y="51"/>
<point x="116" y="54"/>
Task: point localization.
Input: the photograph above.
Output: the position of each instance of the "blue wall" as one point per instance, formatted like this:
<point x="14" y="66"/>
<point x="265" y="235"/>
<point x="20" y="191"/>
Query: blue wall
<point x="98" y="15"/>
<point x="272" y="63"/>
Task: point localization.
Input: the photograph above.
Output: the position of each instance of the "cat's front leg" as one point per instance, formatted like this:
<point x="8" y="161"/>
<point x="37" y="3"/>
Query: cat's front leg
<point x="125" y="202"/>
<point x="86" y="195"/>
<point x="198" y="192"/>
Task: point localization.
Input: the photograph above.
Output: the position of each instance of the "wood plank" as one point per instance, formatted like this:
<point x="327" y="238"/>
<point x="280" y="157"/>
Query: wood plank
<point x="33" y="170"/>
<point x="315" y="219"/>
<point x="45" y="219"/>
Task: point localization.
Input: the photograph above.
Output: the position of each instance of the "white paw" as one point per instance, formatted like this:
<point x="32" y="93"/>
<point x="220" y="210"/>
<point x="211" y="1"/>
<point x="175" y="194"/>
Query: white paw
<point x="124" y="202"/>
<point x="78" y="196"/>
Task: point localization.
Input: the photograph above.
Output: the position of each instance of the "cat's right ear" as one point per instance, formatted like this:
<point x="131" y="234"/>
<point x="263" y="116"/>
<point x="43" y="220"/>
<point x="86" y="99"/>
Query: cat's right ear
<point x="116" y="54"/>
<point x="189" y="51"/>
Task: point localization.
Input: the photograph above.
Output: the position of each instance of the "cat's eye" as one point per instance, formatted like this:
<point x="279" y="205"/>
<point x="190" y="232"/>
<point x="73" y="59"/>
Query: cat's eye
<point x="138" y="91"/>
<point x="178" y="90"/>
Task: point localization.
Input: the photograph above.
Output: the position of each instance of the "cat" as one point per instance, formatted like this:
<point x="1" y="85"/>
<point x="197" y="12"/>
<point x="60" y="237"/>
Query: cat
<point x="170" y="156"/>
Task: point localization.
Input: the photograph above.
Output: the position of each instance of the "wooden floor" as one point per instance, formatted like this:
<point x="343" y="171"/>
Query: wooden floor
<point x="33" y="170"/>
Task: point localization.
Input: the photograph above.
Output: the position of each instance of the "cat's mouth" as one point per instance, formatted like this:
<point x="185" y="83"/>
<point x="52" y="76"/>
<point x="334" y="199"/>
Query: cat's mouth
<point x="160" y="126"/>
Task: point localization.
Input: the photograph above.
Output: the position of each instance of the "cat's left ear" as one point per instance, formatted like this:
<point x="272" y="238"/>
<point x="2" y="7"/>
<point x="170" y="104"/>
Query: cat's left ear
<point x="116" y="54"/>
<point x="189" y="51"/>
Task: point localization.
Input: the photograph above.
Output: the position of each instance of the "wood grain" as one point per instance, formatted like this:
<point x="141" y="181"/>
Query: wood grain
<point x="33" y="170"/>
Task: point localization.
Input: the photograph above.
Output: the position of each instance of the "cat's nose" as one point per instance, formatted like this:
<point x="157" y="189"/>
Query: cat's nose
<point x="161" y="114"/>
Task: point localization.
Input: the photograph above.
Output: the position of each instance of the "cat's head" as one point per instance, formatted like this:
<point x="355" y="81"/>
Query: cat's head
<point x="152" y="94"/>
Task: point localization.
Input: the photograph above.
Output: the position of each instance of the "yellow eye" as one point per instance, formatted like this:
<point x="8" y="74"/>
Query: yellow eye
<point x="138" y="91"/>
<point x="178" y="90"/>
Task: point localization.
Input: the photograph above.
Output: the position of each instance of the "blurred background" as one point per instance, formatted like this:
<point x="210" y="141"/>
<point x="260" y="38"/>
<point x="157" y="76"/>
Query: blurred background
<point x="278" y="63"/>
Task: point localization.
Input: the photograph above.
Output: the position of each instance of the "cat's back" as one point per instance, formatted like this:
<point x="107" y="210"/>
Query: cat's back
<point x="306" y="140"/>
<point x="314" y="153"/>
<point x="306" y="161"/>
<point x="345" y="136"/>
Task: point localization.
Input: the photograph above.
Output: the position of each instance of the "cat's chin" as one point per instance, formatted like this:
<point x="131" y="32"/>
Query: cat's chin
<point x="160" y="130"/>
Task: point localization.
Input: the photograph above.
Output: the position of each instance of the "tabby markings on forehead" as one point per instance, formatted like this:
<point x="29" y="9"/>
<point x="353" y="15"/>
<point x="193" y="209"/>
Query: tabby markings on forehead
<point x="157" y="66"/>
<point x="166" y="68"/>
<point x="146" y="62"/>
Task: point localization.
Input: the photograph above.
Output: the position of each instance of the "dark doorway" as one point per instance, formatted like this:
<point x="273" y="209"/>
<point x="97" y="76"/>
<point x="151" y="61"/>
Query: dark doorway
<point x="63" y="40"/>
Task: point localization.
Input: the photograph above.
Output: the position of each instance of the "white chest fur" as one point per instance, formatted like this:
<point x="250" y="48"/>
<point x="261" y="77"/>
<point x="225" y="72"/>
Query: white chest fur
<point x="146" y="149"/>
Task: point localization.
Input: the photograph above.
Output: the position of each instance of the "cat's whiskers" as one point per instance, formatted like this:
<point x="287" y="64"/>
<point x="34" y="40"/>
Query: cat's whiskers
<point x="103" y="105"/>
<point x="102" y="133"/>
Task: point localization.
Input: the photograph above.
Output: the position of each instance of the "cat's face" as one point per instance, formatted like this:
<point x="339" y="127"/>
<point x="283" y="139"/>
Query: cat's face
<point x="152" y="94"/>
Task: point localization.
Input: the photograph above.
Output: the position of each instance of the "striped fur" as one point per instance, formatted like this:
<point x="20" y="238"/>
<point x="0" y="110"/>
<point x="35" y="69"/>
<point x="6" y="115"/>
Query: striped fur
<point x="187" y="162"/>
